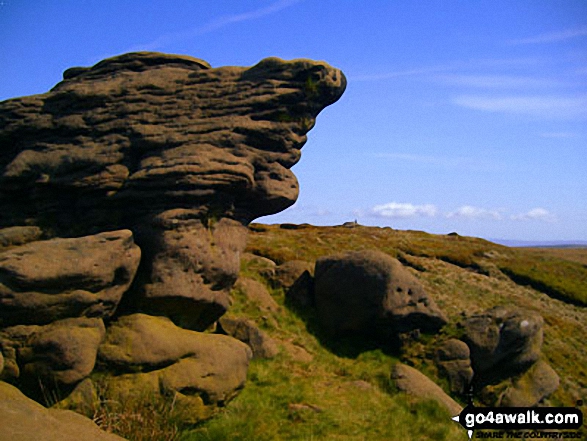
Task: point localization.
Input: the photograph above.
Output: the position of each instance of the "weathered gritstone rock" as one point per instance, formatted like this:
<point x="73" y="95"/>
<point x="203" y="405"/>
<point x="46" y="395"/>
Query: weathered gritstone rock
<point x="288" y="272"/>
<point x="153" y="356"/>
<point x="182" y="154"/>
<point x="257" y="294"/>
<point x="248" y="332"/>
<point x="22" y="419"/>
<point x="454" y="362"/>
<point x="140" y="342"/>
<point x="532" y="387"/>
<point x="41" y="282"/>
<point x="414" y="383"/>
<point x="371" y="293"/>
<point x="56" y="356"/>
<point x="504" y="341"/>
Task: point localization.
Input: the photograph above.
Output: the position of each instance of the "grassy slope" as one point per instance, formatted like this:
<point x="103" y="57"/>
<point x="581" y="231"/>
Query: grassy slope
<point x="344" y="392"/>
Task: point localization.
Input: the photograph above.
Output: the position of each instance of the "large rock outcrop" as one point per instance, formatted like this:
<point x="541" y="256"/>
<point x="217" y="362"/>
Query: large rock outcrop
<point x="181" y="153"/>
<point x="370" y="293"/>
<point x="125" y="195"/>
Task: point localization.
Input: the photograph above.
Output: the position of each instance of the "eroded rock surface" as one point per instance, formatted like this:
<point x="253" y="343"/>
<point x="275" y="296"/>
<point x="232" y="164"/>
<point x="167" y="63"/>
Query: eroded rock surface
<point x="411" y="381"/>
<point x="248" y="332"/>
<point x="50" y="280"/>
<point x="503" y="341"/>
<point x="22" y="419"/>
<point x="152" y="355"/>
<point x="371" y="293"/>
<point x="170" y="148"/>
<point x="171" y="154"/>
<point x="454" y="362"/>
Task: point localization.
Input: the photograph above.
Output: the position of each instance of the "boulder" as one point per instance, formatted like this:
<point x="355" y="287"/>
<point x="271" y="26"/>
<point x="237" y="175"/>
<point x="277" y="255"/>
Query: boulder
<point x="261" y="265"/>
<point x="257" y="293"/>
<point x="414" y="383"/>
<point x="249" y="333"/>
<point x="454" y="362"/>
<point x="182" y="154"/>
<point x="288" y="272"/>
<point x="141" y="342"/>
<point x="58" y="355"/>
<point x="529" y="389"/>
<point x="301" y="292"/>
<point x="371" y="293"/>
<point x="152" y="356"/>
<point x="504" y="341"/>
<point x="41" y="282"/>
<point x="22" y="419"/>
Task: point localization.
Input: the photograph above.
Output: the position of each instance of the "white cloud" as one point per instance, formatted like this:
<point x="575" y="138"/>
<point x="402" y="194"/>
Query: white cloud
<point x="213" y="25"/>
<point x="403" y="210"/>
<point x="535" y="214"/>
<point x="470" y="212"/>
<point x="552" y="37"/>
<point x="543" y="106"/>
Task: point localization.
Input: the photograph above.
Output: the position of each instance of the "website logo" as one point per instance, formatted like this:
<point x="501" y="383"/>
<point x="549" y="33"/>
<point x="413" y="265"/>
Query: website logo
<point x="521" y="422"/>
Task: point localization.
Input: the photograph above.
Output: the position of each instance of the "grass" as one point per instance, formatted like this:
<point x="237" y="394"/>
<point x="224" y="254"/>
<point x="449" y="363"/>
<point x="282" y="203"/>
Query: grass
<point x="546" y="270"/>
<point x="344" y="392"/>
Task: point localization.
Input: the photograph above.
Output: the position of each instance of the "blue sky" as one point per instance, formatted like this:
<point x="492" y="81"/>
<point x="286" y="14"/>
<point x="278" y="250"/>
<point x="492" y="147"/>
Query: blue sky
<point x="466" y="116"/>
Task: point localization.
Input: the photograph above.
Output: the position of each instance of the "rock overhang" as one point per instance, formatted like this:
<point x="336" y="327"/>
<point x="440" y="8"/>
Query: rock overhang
<point x="168" y="131"/>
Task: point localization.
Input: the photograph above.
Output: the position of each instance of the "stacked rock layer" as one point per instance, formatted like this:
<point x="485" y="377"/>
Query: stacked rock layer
<point x="125" y="193"/>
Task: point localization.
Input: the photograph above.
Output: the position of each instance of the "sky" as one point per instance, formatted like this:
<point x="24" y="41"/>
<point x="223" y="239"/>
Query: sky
<point x="459" y="116"/>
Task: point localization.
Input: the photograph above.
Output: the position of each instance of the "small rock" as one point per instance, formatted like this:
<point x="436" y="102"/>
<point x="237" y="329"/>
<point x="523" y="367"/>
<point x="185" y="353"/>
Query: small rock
<point x="297" y="353"/>
<point x="413" y="382"/>
<point x="62" y="353"/>
<point x="247" y="332"/>
<point x="539" y="382"/>
<point x="261" y="265"/>
<point x="287" y="273"/>
<point x="257" y="292"/>
<point x="453" y="361"/>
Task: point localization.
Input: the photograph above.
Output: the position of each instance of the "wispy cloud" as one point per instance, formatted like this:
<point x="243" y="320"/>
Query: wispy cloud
<point x="496" y="81"/>
<point x="539" y="214"/>
<point x="444" y="161"/>
<point x="552" y="37"/>
<point x="483" y="63"/>
<point x="403" y="210"/>
<point x="470" y="212"/>
<point x="213" y="25"/>
<point x="542" y="106"/>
